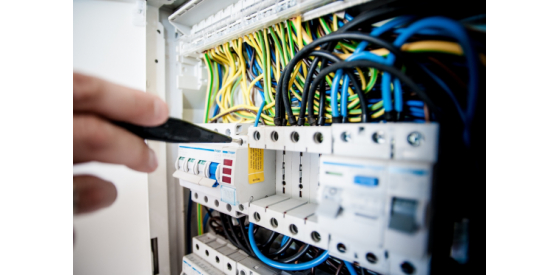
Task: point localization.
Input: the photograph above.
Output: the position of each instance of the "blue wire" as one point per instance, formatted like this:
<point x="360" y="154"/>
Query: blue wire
<point x="350" y="268"/>
<point x="312" y="33"/>
<point x="344" y="100"/>
<point x="284" y="240"/>
<point x="334" y="93"/>
<point x="386" y="93"/>
<point x="206" y="217"/>
<point x="290" y="267"/>
<point x="273" y="56"/>
<point x="424" y="32"/>
<point x="260" y="111"/>
<point x="219" y="76"/>
<point x="348" y="17"/>
<point x="374" y="100"/>
<point x="217" y="109"/>
<point x="416" y="109"/>
<point x="361" y="56"/>
<point x="258" y="67"/>
<point x="415" y="103"/>
<point x="455" y="30"/>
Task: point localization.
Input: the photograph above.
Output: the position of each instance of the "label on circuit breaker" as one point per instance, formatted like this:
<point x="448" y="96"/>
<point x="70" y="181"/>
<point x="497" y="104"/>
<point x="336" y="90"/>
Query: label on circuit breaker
<point x="256" y="165"/>
<point x="228" y="195"/>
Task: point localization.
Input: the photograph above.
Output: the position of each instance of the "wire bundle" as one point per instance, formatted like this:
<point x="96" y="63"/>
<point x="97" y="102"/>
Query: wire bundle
<point x="283" y="75"/>
<point x="239" y="85"/>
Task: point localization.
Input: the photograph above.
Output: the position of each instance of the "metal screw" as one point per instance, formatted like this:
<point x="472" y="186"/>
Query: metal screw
<point x="415" y="139"/>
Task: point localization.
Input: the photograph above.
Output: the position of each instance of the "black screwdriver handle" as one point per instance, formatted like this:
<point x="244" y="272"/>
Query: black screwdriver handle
<point x="175" y="131"/>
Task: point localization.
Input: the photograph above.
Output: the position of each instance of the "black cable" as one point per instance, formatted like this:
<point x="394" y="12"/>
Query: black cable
<point x="224" y="225"/>
<point x="371" y="16"/>
<point x="318" y="42"/>
<point x="392" y="70"/>
<point x="230" y="225"/>
<point x="287" y="103"/>
<point x="244" y="236"/>
<point x="234" y="241"/>
<point x="282" y="249"/>
<point x="310" y="93"/>
<point x="296" y="256"/>
<point x="279" y="106"/>
<point x="271" y="238"/>
<point x="304" y="99"/>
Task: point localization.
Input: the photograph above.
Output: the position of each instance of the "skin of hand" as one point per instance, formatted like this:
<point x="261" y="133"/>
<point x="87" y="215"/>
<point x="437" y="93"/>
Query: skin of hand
<point x="96" y="102"/>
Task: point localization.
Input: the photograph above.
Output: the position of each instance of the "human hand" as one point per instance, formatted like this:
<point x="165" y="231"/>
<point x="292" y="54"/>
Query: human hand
<point x="96" y="102"/>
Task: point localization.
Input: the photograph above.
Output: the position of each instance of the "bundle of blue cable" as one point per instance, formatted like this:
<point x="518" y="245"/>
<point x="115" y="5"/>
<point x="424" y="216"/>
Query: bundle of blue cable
<point x="453" y="29"/>
<point x="433" y="26"/>
<point x="291" y="267"/>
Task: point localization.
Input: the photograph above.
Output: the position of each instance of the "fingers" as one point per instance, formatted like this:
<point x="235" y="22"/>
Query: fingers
<point x="92" y="193"/>
<point x="117" y="102"/>
<point x="96" y="139"/>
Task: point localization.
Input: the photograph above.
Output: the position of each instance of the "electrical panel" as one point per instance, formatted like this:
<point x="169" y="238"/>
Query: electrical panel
<point x="365" y="198"/>
<point x="343" y="167"/>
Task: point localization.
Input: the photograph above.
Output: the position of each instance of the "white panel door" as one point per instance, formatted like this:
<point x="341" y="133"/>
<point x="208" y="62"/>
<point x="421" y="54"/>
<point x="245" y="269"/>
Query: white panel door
<point x="115" y="240"/>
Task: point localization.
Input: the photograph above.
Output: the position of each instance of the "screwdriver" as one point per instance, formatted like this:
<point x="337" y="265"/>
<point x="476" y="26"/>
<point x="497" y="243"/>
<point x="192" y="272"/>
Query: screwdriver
<point x="178" y="131"/>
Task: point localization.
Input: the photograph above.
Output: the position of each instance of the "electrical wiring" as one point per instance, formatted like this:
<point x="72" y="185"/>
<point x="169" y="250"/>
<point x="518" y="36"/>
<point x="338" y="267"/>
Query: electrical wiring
<point x="322" y="54"/>
<point x="205" y="220"/>
<point x="339" y="269"/>
<point x="269" y="241"/>
<point x="350" y="268"/>
<point x="375" y="33"/>
<point x="236" y="110"/>
<point x="210" y="85"/>
<point x="275" y="63"/>
<point x="383" y="67"/>
<point x="285" y="245"/>
<point x="232" y="236"/>
<point x="454" y="29"/>
<point x="244" y="235"/>
<point x="199" y="219"/>
<point x="333" y="37"/>
<point x="420" y="46"/>
<point x="297" y="255"/>
<point x="290" y="267"/>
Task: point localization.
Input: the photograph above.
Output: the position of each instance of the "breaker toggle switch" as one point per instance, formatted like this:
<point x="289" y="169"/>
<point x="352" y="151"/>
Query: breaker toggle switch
<point x="403" y="212"/>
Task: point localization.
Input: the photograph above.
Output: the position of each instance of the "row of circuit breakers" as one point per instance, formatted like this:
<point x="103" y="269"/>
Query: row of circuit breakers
<point x="360" y="191"/>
